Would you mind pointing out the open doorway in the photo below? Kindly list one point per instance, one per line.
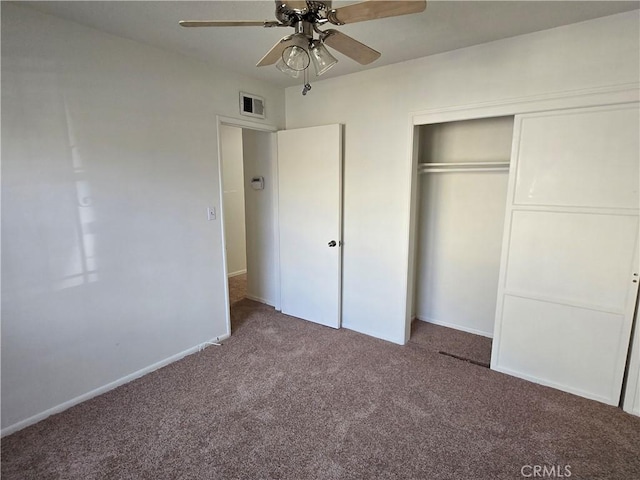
(232, 160)
(248, 208)
(308, 228)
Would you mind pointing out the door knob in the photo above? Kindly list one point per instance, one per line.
(332, 243)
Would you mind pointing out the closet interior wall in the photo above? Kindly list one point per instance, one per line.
(463, 174)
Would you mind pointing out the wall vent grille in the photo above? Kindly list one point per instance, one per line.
(251, 105)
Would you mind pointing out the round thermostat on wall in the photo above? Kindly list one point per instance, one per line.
(257, 183)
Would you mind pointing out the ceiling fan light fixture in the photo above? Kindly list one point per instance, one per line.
(296, 55)
(321, 58)
(293, 54)
(284, 68)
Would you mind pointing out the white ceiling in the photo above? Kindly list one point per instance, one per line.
(444, 26)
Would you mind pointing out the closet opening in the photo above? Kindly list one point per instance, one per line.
(461, 189)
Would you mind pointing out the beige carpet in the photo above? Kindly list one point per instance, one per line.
(288, 399)
(237, 288)
(457, 344)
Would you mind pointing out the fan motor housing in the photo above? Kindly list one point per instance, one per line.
(292, 11)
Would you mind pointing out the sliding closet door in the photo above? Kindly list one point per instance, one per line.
(567, 288)
(631, 402)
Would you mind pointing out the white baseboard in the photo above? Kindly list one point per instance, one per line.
(105, 388)
(259, 299)
(455, 326)
(235, 274)
(373, 333)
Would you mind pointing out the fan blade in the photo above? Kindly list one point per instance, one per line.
(275, 53)
(350, 47)
(215, 23)
(372, 10)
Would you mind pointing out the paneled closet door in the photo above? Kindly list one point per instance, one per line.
(567, 286)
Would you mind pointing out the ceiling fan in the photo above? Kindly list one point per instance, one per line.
(294, 53)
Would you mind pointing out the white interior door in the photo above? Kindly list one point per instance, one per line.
(567, 293)
(310, 214)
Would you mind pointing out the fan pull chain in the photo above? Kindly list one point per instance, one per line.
(307, 85)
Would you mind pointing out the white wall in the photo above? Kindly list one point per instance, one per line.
(109, 163)
(259, 156)
(375, 106)
(482, 140)
(233, 186)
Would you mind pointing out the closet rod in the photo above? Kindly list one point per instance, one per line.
(466, 169)
(463, 167)
(465, 164)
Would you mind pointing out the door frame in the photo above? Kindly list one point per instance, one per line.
(260, 127)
